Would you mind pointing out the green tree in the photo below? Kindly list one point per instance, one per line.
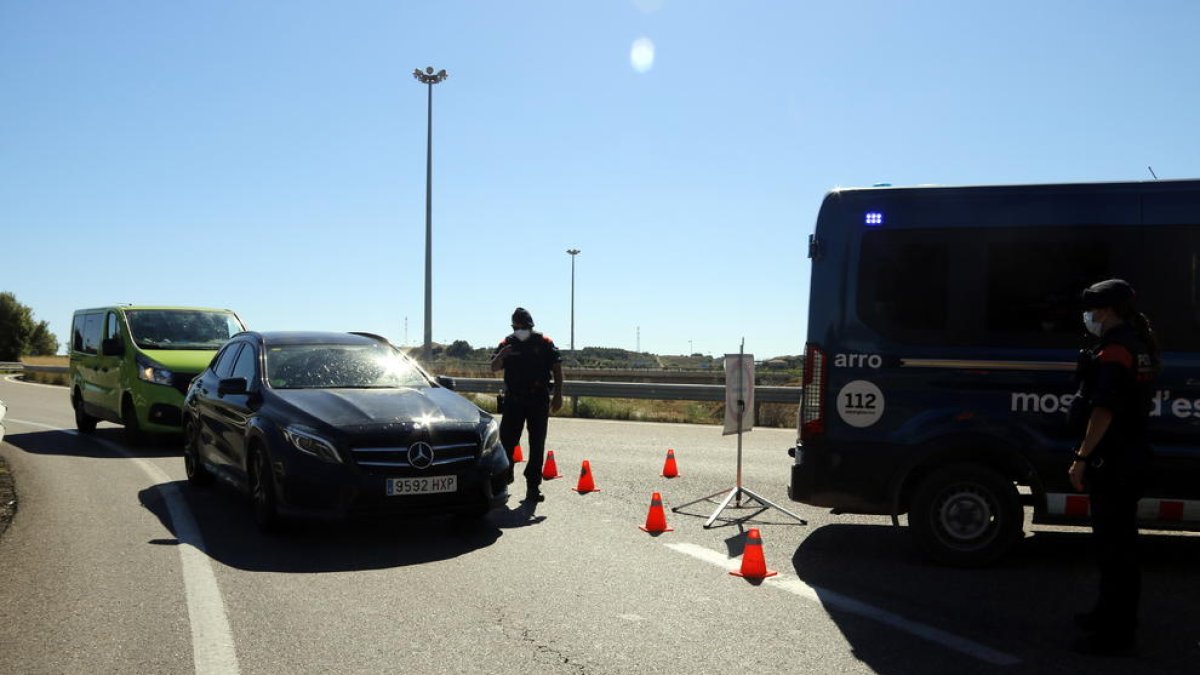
(41, 341)
(19, 335)
(459, 349)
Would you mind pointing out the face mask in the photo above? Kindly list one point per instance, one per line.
(522, 334)
(1093, 326)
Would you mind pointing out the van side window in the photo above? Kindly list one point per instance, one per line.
(1034, 280)
(112, 328)
(77, 332)
(223, 365)
(93, 325)
(903, 282)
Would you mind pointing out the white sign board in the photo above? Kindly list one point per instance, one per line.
(739, 387)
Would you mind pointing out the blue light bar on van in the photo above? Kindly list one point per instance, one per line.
(874, 218)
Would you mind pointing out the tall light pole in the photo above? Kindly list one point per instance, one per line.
(429, 78)
(572, 252)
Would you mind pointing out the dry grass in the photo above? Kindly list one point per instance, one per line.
(60, 379)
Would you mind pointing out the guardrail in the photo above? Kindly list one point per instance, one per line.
(645, 390)
(661, 391)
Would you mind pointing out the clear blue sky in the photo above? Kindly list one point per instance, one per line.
(270, 156)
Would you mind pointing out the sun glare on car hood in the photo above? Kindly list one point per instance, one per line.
(359, 407)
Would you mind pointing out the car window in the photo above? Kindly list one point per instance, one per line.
(92, 326)
(112, 327)
(325, 366)
(244, 366)
(223, 365)
(181, 328)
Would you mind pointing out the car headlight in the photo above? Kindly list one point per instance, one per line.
(152, 372)
(311, 444)
(491, 438)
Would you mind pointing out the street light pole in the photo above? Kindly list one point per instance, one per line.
(429, 78)
(573, 252)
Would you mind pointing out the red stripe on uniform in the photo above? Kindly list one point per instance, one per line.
(1116, 354)
(1170, 510)
(1076, 506)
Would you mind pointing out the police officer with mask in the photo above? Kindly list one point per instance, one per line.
(530, 361)
(1111, 463)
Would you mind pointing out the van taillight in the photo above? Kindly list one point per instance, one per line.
(812, 405)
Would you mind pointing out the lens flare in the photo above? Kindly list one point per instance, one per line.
(641, 55)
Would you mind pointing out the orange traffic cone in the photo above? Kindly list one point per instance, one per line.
(669, 468)
(656, 520)
(753, 564)
(550, 467)
(586, 484)
(517, 456)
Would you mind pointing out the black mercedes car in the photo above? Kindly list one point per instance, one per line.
(338, 425)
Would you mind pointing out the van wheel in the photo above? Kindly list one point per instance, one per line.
(262, 492)
(965, 515)
(197, 474)
(84, 422)
(134, 436)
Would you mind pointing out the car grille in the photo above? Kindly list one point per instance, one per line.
(387, 457)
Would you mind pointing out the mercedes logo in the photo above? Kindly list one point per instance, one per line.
(420, 455)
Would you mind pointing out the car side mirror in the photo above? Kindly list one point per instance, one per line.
(233, 386)
(447, 382)
(112, 347)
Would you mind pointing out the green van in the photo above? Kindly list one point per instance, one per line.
(132, 365)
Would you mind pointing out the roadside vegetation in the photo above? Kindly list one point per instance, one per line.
(459, 359)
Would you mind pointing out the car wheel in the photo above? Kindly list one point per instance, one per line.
(197, 474)
(84, 422)
(134, 436)
(262, 492)
(965, 515)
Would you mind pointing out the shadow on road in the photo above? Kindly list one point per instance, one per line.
(304, 546)
(1023, 606)
(77, 445)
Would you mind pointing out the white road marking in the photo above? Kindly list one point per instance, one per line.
(213, 650)
(842, 603)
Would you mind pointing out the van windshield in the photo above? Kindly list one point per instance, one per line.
(181, 328)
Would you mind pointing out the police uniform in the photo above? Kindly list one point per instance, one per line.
(1116, 375)
(527, 390)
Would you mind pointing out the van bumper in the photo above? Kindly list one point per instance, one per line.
(853, 480)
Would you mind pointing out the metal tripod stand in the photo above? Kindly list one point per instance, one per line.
(738, 491)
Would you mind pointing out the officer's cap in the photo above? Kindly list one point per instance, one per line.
(522, 317)
(1108, 293)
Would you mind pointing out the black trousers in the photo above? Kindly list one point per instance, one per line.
(519, 413)
(1114, 495)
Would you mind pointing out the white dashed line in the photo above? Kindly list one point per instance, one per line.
(842, 603)
(212, 641)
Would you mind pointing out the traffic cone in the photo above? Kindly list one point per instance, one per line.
(656, 520)
(669, 468)
(550, 467)
(753, 564)
(517, 456)
(586, 484)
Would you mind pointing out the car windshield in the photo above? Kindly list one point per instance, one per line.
(325, 366)
(181, 328)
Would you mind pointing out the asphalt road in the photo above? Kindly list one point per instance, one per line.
(114, 564)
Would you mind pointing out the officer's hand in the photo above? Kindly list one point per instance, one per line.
(1076, 474)
(556, 404)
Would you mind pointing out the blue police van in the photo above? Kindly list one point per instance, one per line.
(943, 332)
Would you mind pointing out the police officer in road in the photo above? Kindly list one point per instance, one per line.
(532, 375)
(1111, 463)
